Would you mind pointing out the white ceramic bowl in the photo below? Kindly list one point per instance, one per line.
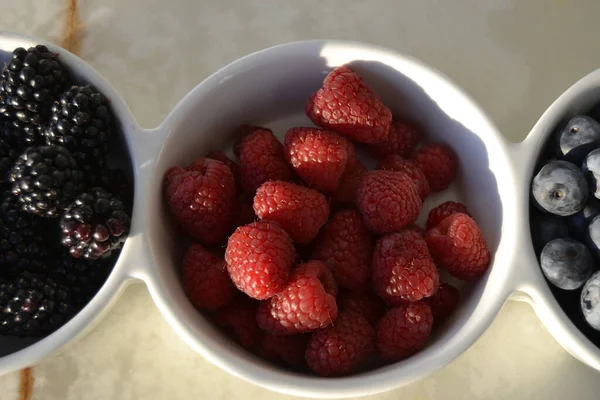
(270, 88)
(16, 353)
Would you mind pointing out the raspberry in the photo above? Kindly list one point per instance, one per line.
(443, 302)
(458, 245)
(242, 132)
(388, 201)
(402, 140)
(444, 210)
(287, 349)
(307, 302)
(299, 210)
(403, 330)
(233, 166)
(205, 279)
(341, 348)
(346, 191)
(410, 168)
(439, 164)
(201, 197)
(262, 160)
(346, 248)
(239, 319)
(370, 307)
(403, 270)
(259, 258)
(346, 104)
(317, 156)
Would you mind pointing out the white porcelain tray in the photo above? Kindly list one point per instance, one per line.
(270, 88)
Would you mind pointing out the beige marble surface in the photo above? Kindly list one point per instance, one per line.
(513, 56)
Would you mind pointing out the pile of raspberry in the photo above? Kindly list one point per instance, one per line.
(324, 267)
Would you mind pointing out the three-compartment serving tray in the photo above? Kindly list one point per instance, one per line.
(269, 88)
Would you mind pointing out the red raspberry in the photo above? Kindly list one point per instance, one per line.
(202, 199)
(205, 279)
(369, 306)
(262, 160)
(307, 302)
(259, 258)
(299, 210)
(341, 348)
(287, 349)
(317, 156)
(403, 270)
(439, 164)
(402, 140)
(346, 248)
(388, 201)
(242, 132)
(346, 191)
(346, 104)
(410, 168)
(458, 245)
(233, 166)
(239, 319)
(404, 330)
(444, 210)
(443, 302)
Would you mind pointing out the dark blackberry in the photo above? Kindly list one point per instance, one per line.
(31, 82)
(33, 306)
(46, 179)
(83, 277)
(25, 239)
(8, 156)
(94, 225)
(81, 123)
(16, 132)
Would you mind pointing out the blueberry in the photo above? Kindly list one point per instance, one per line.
(578, 223)
(545, 228)
(591, 171)
(580, 136)
(560, 188)
(590, 301)
(566, 263)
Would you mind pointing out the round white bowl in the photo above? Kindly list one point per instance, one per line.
(16, 353)
(270, 88)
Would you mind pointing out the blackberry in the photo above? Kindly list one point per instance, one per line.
(33, 306)
(83, 277)
(8, 156)
(94, 225)
(17, 133)
(46, 179)
(81, 122)
(24, 245)
(31, 81)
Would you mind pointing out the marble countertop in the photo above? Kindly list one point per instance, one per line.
(513, 56)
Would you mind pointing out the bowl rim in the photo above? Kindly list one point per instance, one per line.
(492, 298)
